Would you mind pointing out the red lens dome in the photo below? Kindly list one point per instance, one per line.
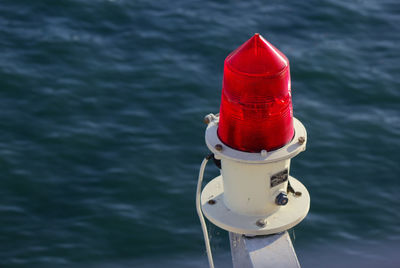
(256, 106)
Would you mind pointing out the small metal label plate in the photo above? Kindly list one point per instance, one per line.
(279, 178)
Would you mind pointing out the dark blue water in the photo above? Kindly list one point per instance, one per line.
(101, 133)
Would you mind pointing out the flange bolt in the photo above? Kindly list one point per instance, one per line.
(218, 147)
(261, 223)
(281, 199)
(301, 140)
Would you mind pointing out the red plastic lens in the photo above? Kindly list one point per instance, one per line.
(256, 106)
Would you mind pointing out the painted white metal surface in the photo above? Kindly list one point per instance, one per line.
(247, 187)
(284, 218)
(245, 194)
(263, 251)
(290, 150)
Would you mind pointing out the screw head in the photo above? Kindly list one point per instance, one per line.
(264, 153)
(218, 147)
(301, 140)
(261, 223)
(211, 202)
(297, 194)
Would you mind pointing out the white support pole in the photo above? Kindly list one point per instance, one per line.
(263, 251)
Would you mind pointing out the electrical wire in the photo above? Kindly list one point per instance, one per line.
(200, 213)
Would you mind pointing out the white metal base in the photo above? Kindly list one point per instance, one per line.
(214, 208)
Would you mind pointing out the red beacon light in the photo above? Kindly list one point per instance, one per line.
(255, 137)
(256, 105)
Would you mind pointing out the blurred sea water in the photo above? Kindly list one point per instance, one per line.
(101, 132)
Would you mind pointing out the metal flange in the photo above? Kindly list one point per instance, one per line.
(214, 208)
(220, 150)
